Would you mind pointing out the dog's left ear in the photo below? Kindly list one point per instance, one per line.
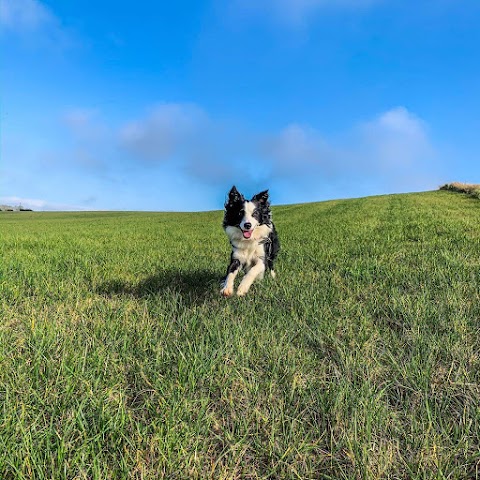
(261, 197)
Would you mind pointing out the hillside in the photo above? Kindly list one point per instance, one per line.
(119, 358)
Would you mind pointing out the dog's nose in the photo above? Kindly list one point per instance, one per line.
(247, 226)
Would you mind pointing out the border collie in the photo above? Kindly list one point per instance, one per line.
(254, 240)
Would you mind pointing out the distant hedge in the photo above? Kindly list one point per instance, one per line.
(8, 208)
(468, 188)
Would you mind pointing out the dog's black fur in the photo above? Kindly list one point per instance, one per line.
(254, 239)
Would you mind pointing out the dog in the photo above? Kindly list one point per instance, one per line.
(254, 240)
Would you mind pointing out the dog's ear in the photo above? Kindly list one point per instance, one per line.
(261, 197)
(234, 196)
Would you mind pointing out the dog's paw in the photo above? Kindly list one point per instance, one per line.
(242, 291)
(226, 292)
(272, 273)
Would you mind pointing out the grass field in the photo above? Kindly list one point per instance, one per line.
(119, 359)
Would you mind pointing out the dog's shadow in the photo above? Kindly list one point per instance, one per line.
(193, 287)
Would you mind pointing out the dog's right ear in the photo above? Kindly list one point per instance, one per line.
(234, 196)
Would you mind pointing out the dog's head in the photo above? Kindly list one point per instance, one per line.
(246, 215)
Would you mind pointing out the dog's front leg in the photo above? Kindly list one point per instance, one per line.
(232, 271)
(255, 272)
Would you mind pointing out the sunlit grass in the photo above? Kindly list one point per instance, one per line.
(120, 359)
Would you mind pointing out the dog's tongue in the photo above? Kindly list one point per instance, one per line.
(247, 234)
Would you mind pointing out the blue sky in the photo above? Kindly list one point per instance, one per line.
(155, 105)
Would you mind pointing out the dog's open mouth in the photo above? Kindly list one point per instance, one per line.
(247, 233)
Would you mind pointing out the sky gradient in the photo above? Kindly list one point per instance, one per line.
(165, 105)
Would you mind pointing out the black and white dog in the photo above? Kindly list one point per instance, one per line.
(254, 240)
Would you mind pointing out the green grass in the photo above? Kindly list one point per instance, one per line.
(119, 359)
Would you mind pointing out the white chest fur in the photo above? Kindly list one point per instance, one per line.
(248, 251)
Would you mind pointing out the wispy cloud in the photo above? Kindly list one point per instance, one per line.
(172, 143)
(396, 139)
(297, 149)
(391, 152)
(92, 139)
(25, 15)
(296, 13)
(165, 131)
(34, 22)
(85, 123)
(38, 205)
(397, 148)
(184, 135)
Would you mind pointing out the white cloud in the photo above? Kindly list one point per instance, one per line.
(164, 131)
(397, 139)
(297, 149)
(184, 135)
(391, 152)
